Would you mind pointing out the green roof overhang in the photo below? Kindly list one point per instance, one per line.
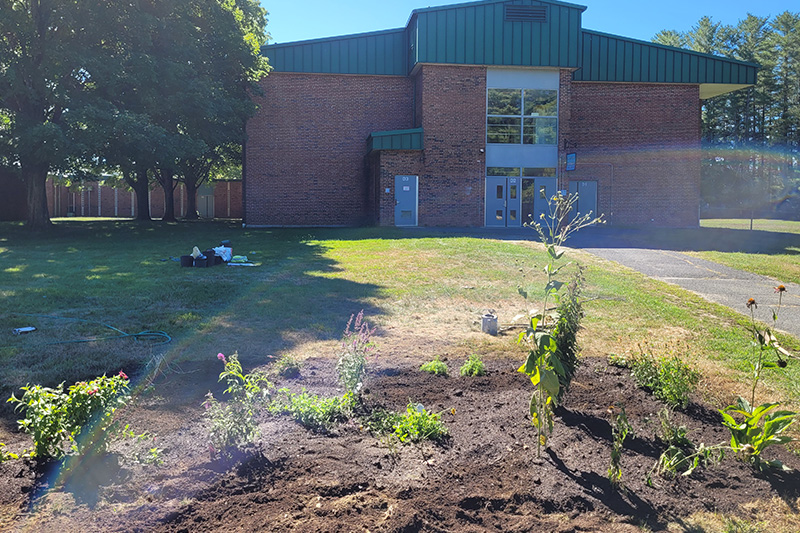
(396, 140)
(611, 58)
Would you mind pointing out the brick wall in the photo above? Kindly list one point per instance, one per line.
(14, 198)
(306, 147)
(385, 166)
(453, 109)
(641, 143)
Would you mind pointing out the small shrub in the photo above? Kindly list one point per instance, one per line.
(570, 313)
(669, 378)
(80, 417)
(437, 366)
(620, 430)
(287, 367)
(356, 346)
(417, 424)
(381, 421)
(312, 411)
(671, 433)
(233, 424)
(473, 367)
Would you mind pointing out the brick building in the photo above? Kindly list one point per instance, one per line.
(473, 115)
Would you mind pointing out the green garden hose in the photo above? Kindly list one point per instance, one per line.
(147, 335)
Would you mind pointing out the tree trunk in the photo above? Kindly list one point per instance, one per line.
(168, 184)
(139, 182)
(191, 197)
(38, 214)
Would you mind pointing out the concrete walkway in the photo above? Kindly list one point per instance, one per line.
(714, 282)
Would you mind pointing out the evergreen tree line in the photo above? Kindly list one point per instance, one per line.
(751, 137)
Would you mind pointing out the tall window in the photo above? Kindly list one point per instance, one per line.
(522, 116)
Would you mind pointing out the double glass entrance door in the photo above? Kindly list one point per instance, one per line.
(513, 201)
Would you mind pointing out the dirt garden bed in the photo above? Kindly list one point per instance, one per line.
(484, 477)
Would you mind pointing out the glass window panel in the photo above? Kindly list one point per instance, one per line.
(499, 192)
(503, 130)
(539, 131)
(528, 197)
(499, 214)
(541, 103)
(539, 172)
(502, 171)
(512, 192)
(505, 102)
(512, 215)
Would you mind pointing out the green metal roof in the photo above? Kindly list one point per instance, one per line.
(396, 140)
(378, 53)
(618, 59)
(490, 32)
(478, 33)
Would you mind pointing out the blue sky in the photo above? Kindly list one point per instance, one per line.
(295, 20)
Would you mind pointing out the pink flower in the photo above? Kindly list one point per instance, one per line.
(123, 375)
(92, 391)
(221, 357)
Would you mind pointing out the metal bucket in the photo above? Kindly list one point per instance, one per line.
(489, 324)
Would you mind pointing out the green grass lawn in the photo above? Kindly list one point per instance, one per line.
(778, 259)
(413, 284)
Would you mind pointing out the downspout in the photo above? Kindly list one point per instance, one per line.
(244, 182)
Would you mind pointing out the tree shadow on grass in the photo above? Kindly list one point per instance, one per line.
(120, 273)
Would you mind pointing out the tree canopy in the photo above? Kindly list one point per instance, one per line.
(136, 86)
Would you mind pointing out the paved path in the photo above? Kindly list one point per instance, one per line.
(714, 282)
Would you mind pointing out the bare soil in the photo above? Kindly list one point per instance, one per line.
(485, 477)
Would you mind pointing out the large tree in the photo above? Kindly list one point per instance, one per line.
(133, 85)
(44, 45)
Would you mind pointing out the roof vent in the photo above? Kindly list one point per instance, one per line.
(518, 13)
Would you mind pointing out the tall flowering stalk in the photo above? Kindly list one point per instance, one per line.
(357, 344)
(765, 341)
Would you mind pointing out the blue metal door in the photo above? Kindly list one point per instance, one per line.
(587, 197)
(406, 200)
(503, 201)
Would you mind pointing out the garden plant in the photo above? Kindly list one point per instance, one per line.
(473, 367)
(436, 366)
(233, 425)
(548, 372)
(418, 424)
(357, 344)
(761, 426)
(73, 421)
(621, 429)
(668, 378)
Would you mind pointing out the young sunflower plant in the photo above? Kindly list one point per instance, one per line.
(544, 364)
